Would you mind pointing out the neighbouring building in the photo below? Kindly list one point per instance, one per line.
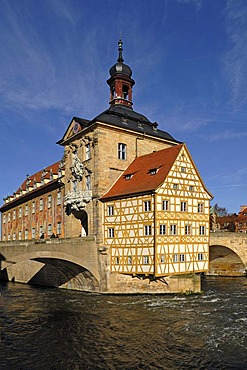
(125, 182)
(233, 222)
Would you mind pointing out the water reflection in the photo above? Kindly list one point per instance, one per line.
(59, 329)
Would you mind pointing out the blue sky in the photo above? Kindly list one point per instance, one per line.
(189, 61)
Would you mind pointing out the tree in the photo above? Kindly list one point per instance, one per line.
(220, 211)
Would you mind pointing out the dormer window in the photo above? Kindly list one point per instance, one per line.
(128, 176)
(51, 176)
(153, 171)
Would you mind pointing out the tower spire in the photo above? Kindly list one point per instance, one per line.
(120, 49)
(120, 81)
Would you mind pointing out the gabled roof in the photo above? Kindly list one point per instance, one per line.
(140, 175)
(27, 188)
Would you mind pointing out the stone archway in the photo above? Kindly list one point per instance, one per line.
(224, 261)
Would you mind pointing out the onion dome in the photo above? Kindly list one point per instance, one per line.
(120, 67)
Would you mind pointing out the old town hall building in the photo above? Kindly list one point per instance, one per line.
(123, 181)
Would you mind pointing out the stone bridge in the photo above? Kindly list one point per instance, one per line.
(66, 263)
(228, 254)
(78, 263)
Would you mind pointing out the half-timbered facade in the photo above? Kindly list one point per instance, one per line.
(156, 216)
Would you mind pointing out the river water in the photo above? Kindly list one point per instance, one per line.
(59, 329)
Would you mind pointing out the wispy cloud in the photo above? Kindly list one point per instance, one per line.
(236, 56)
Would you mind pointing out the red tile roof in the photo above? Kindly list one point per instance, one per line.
(142, 180)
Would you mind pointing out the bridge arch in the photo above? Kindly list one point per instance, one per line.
(225, 261)
(53, 269)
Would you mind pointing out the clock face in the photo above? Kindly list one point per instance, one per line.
(76, 127)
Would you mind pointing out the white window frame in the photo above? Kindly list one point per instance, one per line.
(20, 212)
(200, 256)
(145, 260)
(173, 229)
(41, 204)
(165, 205)
(59, 228)
(162, 229)
(59, 197)
(14, 214)
(182, 257)
(87, 151)
(33, 207)
(175, 257)
(201, 230)
(33, 232)
(129, 260)
(187, 230)
(111, 232)
(26, 209)
(110, 210)
(49, 229)
(49, 200)
(88, 182)
(122, 151)
(147, 205)
(200, 208)
(26, 234)
(183, 206)
(20, 235)
(147, 230)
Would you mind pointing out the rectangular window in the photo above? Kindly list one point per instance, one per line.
(200, 208)
(20, 235)
(173, 229)
(165, 205)
(122, 151)
(147, 206)
(202, 230)
(20, 212)
(110, 232)
(49, 201)
(183, 169)
(191, 188)
(147, 230)
(175, 186)
(26, 209)
(129, 260)
(162, 229)
(13, 236)
(9, 216)
(145, 260)
(8, 236)
(187, 230)
(33, 233)
(162, 259)
(4, 219)
(40, 231)
(200, 256)
(175, 257)
(33, 207)
(88, 182)
(26, 234)
(110, 211)
(183, 207)
(117, 260)
(59, 196)
(59, 228)
(88, 151)
(14, 214)
(182, 257)
(49, 231)
(41, 204)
